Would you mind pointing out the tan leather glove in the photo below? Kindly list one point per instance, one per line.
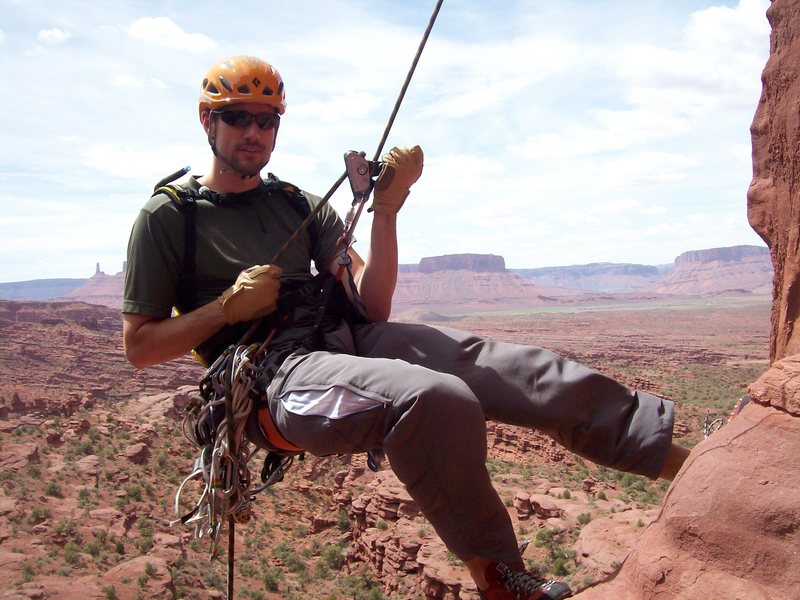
(254, 295)
(401, 168)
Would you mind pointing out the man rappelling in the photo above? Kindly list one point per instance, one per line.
(336, 377)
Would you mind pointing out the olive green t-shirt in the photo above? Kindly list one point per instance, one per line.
(231, 235)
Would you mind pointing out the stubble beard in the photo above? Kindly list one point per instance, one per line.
(233, 165)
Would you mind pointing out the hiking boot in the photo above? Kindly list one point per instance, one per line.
(742, 402)
(505, 584)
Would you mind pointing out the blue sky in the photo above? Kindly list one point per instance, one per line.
(555, 133)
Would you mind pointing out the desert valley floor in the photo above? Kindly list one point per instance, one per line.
(91, 454)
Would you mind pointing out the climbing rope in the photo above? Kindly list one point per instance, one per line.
(313, 215)
(215, 423)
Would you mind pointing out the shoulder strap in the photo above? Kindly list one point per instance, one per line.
(186, 201)
(298, 201)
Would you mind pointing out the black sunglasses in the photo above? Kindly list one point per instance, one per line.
(242, 119)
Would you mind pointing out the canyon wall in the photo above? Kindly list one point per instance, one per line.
(729, 526)
(773, 200)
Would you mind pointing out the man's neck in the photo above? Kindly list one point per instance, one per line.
(221, 179)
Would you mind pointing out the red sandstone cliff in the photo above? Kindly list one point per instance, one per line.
(719, 270)
(102, 289)
(730, 524)
(773, 200)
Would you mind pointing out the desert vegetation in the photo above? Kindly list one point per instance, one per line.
(87, 495)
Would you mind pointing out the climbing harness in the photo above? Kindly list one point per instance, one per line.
(218, 419)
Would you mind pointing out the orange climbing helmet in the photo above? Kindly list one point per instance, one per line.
(242, 79)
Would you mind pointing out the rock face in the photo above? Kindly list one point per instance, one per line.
(79, 334)
(745, 269)
(730, 524)
(773, 200)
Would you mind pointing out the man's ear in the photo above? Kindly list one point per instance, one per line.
(275, 137)
(205, 119)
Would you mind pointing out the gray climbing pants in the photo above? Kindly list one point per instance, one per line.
(423, 394)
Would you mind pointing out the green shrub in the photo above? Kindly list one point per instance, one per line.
(134, 492)
(93, 547)
(110, 591)
(270, 579)
(71, 553)
(53, 489)
(28, 571)
(560, 567)
(38, 515)
(332, 557)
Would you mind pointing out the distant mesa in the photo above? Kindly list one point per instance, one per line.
(481, 263)
(719, 270)
(440, 285)
(606, 278)
(100, 288)
(39, 289)
(730, 254)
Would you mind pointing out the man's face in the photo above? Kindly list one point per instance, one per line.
(242, 136)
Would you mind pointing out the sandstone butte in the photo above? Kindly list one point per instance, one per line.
(728, 527)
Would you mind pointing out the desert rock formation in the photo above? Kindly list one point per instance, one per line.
(730, 524)
(102, 289)
(773, 200)
(91, 452)
(719, 270)
(459, 283)
(594, 277)
(467, 262)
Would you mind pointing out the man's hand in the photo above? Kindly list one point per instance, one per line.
(254, 295)
(401, 168)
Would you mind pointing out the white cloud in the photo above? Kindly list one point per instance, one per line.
(148, 165)
(607, 131)
(712, 67)
(127, 80)
(350, 105)
(486, 76)
(561, 132)
(53, 36)
(163, 31)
